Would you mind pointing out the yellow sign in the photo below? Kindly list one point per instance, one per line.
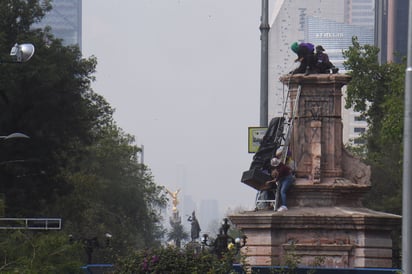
(255, 138)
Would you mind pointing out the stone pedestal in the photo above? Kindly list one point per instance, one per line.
(343, 237)
(326, 219)
(318, 122)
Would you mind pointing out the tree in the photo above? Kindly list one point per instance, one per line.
(377, 92)
(46, 253)
(78, 164)
(112, 189)
(49, 99)
(177, 232)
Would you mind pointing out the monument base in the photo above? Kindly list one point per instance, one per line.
(329, 192)
(337, 236)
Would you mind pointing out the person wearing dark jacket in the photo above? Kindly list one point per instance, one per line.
(323, 64)
(283, 175)
(306, 57)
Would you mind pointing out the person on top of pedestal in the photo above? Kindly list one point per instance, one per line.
(323, 64)
(306, 57)
(281, 174)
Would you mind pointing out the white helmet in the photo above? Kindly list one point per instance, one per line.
(274, 162)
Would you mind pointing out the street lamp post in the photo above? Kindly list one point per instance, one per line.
(224, 242)
(90, 244)
(20, 53)
(4, 138)
(23, 52)
(264, 63)
(407, 159)
(14, 135)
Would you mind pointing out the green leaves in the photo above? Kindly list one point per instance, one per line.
(177, 233)
(377, 92)
(78, 164)
(363, 66)
(45, 253)
(175, 260)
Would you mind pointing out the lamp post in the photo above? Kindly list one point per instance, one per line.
(407, 159)
(14, 135)
(20, 53)
(90, 244)
(264, 63)
(224, 242)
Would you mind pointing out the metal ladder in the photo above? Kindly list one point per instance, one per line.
(289, 118)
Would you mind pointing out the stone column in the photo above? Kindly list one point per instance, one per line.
(320, 100)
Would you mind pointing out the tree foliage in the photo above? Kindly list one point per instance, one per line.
(177, 232)
(176, 260)
(377, 92)
(78, 164)
(28, 252)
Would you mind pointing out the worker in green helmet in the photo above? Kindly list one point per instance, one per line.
(306, 57)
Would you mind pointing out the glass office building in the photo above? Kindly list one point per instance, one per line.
(391, 33)
(331, 24)
(65, 19)
(336, 37)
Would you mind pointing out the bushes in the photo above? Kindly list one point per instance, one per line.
(192, 259)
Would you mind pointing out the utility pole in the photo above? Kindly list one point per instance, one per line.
(407, 157)
(264, 63)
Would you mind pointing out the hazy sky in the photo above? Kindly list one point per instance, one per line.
(184, 79)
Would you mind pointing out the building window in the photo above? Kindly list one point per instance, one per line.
(359, 141)
(359, 118)
(359, 129)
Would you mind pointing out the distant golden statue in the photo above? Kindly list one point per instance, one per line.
(175, 201)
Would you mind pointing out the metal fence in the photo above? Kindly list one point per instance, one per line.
(31, 223)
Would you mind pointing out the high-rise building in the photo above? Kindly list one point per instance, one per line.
(65, 19)
(335, 36)
(209, 213)
(331, 24)
(391, 33)
(359, 12)
(289, 24)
